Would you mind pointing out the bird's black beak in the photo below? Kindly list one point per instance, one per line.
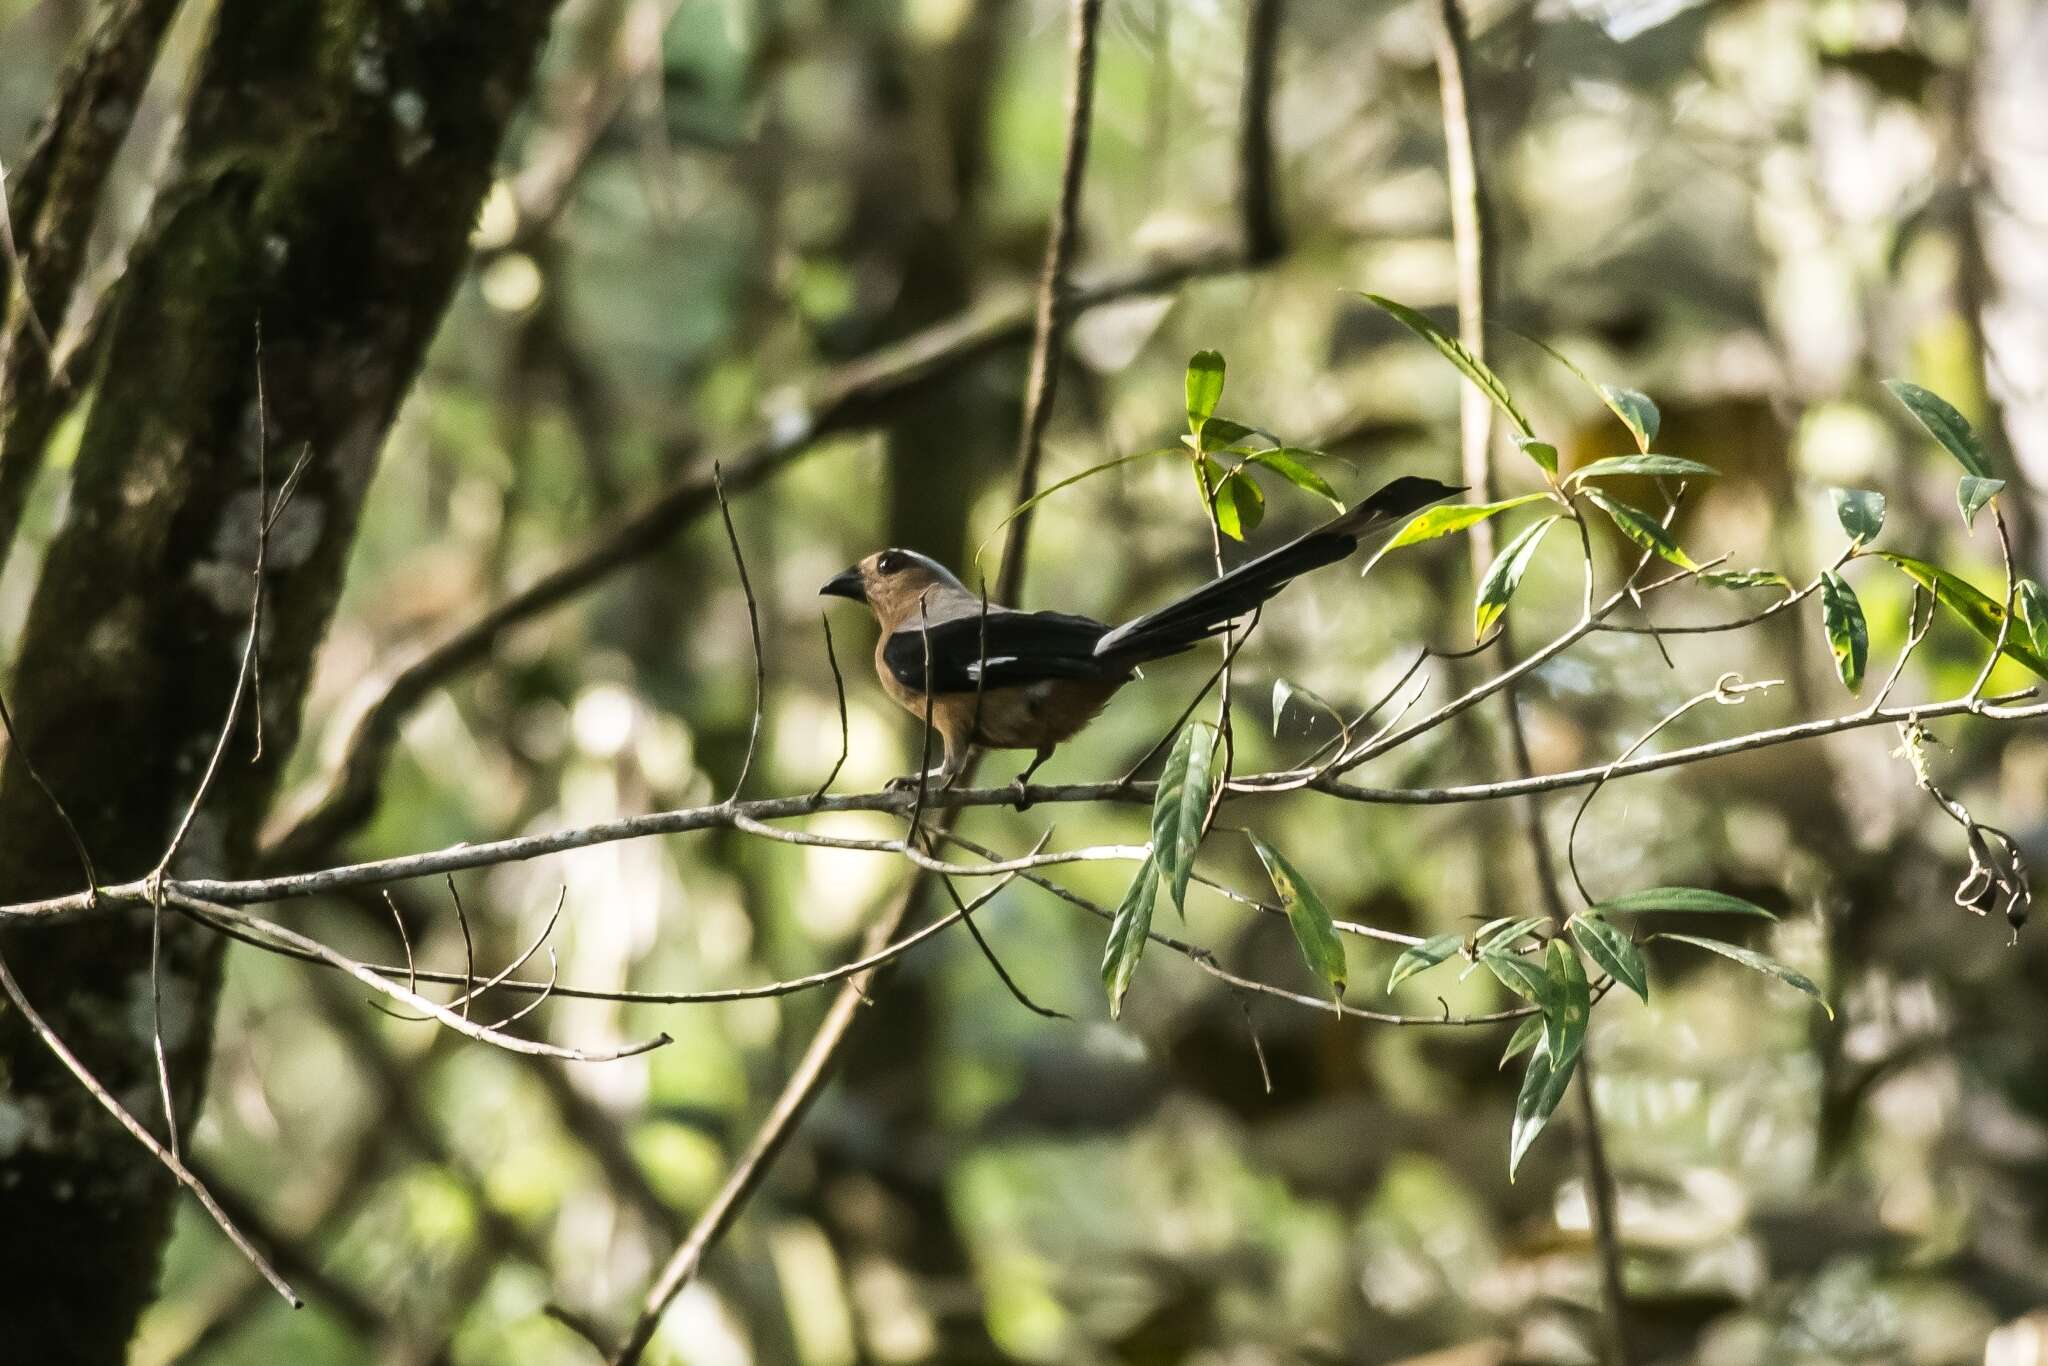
(845, 584)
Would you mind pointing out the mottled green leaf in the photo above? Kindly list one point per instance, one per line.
(1519, 975)
(1860, 511)
(2033, 615)
(1749, 958)
(1570, 1002)
(1841, 616)
(1127, 935)
(1683, 900)
(1525, 1036)
(1504, 934)
(1444, 521)
(1543, 1086)
(1979, 612)
(1972, 494)
(1181, 804)
(1321, 948)
(1504, 575)
(1205, 386)
(1290, 463)
(1636, 412)
(1613, 952)
(1660, 466)
(1944, 424)
(1542, 452)
(1455, 352)
(1416, 957)
(1640, 527)
(1746, 578)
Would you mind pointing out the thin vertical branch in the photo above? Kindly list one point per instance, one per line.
(815, 1067)
(1469, 222)
(1055, 305)
(1258, 189)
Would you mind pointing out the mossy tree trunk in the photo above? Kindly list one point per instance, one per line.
(328, 174)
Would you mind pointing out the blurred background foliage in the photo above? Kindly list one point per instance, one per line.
(1750, 209)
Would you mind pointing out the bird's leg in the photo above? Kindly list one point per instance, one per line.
(1024, 778)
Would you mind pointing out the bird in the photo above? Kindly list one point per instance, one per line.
(1000, 678)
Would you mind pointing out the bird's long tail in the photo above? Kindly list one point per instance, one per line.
(1205, 612)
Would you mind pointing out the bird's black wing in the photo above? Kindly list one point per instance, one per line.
(1011, 650)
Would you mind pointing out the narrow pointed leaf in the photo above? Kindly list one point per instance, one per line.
(1636, 412)
(1518, 975)
(1542, 452)
(1860, 511)
(1640, 527)
(1504, 575)
(1127, 935)
(1321, 948)
(1682, 900)
(1660, 466)
(1525, 1036)
(1455, 352)
(2033, 613)
(1848, 637)
(1972, 494)
(1755, 961)
(1503, 935)
(1944, 424)
(1613, 952)
(1290, 463)
(1240, 506)
(1220, 433)
(1543, 1086)
(1180, 804)
(1570, 1004)
(1746, 578)
(1205, 386)
(1072, 479)
(1444, 521)
(1427, 954)
(1978, 611)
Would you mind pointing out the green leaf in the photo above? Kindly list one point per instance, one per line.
(1570, 1004)
(1944, 424)
(1455, 352)
(2033, 613)
(1746, 578)
(1972, 494)
(1640, 527)
(1682, 900)
(1289, 462)
(1542, 452)
(1525, 1035)
(1848, 638)
(1050, 489)
(1205, 387)
(1636, 412)
(1218, 433)
(1181, 804)
(1543, 1086)
(1308, 916)
(1502, 935)
(1504, 575)
(1416, 957)
(1661, 466)
(1240, 506)
(1518, 975)
(1749, 958)
(1979, 612)
(1127, 935)
(1443, 521)
(1613, 952)
(1861, 513)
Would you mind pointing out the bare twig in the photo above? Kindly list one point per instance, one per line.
(839, 694)
(35, 774)
(739, 560)
(171, 1162)
(468, 949)
(1258, 190)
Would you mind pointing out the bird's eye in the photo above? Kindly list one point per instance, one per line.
(890, 562)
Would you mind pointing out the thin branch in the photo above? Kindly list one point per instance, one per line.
(739, 560)
(1258, 190)
(839, 694)
(92, 877)
(171, 1162)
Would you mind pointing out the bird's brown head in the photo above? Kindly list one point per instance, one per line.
(893, 583)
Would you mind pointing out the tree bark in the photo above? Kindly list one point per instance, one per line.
(330, 167)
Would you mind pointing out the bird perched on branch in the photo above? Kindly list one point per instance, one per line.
(1004, 679)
